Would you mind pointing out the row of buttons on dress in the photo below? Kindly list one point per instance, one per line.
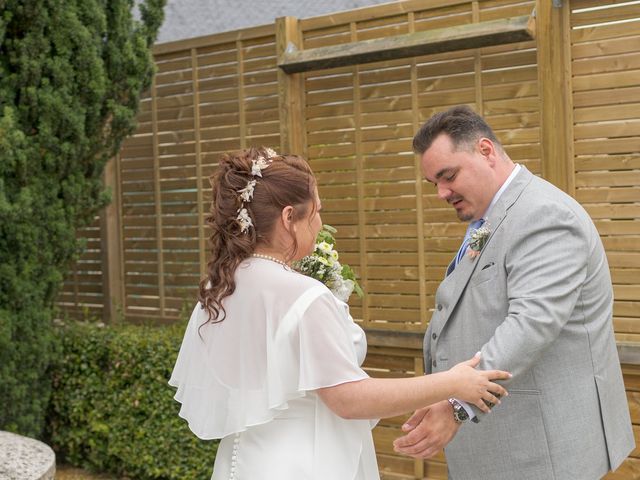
(234, 457)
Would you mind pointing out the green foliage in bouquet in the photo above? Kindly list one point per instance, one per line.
(324, 265)
(71, 76)
(112, 409)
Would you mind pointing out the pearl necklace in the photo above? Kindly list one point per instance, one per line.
(269, 257)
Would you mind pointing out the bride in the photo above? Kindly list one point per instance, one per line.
(270, 361)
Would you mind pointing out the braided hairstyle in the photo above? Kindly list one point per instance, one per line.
(287, 181)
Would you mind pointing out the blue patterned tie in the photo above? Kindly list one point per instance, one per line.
(465, 244)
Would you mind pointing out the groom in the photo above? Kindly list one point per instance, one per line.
(531, 290)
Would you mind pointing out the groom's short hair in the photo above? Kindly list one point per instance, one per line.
(460, 123)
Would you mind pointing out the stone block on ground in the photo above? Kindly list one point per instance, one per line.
(23, 458)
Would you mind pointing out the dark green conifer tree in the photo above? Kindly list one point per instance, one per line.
(71, 75)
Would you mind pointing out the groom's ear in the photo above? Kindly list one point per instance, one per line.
(487, 149)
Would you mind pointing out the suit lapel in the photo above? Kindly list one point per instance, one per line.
(497, 215)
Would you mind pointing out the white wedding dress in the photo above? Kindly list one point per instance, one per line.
(251, 379)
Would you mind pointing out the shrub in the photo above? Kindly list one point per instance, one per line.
(71, 75)
(112, 409)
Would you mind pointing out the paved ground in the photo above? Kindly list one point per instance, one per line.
(65, 472)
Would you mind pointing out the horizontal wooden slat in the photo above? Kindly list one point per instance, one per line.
(586, 16)
(603, 32)
(607, 162)
(380, 11)
(627, 78)
(608, 179)
(219, 38)
(611, 111)
(492, 32)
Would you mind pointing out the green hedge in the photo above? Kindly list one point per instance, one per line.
(112, 409)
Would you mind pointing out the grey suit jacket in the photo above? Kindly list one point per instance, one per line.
(538, 303)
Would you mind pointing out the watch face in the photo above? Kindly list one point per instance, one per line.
(460, 413)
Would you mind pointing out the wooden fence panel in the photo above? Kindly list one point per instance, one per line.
(82, 294)
(606, 62)
(359, 125)
(606, 100)
(210, 98)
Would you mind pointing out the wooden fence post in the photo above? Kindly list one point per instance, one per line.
(290, 90)
(110, 240)
(556, 104)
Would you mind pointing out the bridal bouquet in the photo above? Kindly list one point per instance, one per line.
(323, 265)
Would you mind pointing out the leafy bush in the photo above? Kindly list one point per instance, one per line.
(71, 76)
(112, 409)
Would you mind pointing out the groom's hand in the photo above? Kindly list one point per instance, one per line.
(427, 431)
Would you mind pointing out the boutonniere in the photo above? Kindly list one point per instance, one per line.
(478, 239)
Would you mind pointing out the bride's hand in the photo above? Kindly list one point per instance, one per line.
(477, 386)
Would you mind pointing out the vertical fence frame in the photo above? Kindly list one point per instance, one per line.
(554, 78)
(291, 90)
(111, 238)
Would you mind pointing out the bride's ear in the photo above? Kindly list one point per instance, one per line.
(286, 216)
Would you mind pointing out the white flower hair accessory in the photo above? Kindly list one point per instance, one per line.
(478, 239)
(258, 166)
(244, 220)
(246, 193)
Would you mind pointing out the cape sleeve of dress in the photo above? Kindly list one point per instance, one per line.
(243, 371)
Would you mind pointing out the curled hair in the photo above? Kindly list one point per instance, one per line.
(287, 181)
(460, 123)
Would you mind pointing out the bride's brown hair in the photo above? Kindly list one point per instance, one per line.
(287, 181)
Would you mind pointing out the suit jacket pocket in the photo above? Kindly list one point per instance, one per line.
(523, 391)
(483, 273)
(510, 443)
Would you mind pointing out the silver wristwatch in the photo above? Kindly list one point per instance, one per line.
(459, 413)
